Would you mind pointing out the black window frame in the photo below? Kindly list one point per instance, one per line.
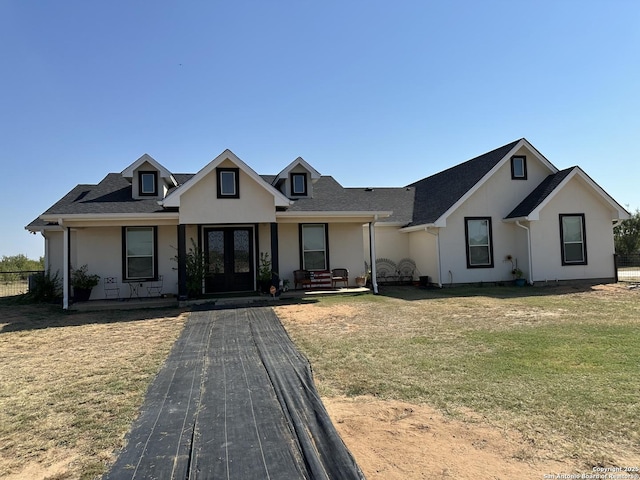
(467, 246)
(236, 172)
(584, 261)
(141, 191)
(524, 167)
(291, 179)
(125, 276)
(326, 245)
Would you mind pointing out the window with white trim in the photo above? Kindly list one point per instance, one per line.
(572, 239)
(298, 184)
(148, 183)
(139, 253)
(478, 242)
(228, 182)
(518, 167)
(314, 246)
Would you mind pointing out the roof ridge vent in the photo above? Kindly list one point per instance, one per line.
(368, 189)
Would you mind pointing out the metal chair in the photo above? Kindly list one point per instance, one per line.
(339, 275)
(302, 278)
(111, 287)
(155, 289)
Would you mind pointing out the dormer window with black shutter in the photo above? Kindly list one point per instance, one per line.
(298, 184)
(148, 183)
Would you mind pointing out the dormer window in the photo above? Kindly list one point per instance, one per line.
(298, 184)
(228, 182)
(148, 183)
(518, 167)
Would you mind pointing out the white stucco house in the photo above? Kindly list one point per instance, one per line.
(457, 226)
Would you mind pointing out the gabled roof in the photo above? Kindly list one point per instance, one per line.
(315, 175)
(173, 198)
(112, 196)
(530, 207)
(440, 194)
(331, 197)
(164, 173)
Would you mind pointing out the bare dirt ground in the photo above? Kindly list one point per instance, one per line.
(394, 440)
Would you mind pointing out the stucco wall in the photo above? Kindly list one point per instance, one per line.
(576, 197)
(101, 249)
(55, 245)
(201, 205)
(345, 249)
(496, 198)
(390, 243)
(423, 251)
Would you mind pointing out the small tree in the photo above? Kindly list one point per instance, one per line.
(196, 267)
(627, 235)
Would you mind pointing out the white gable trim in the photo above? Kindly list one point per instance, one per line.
(173, 199)
(523, 142)
(164, 173)
(620, 212)
(284, 174)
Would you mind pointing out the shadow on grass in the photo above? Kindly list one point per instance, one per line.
(18, 314)
(411, 293)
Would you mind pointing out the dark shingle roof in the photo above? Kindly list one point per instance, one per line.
(439, 192)
(541, 192)
(111, 195)
(330, 196)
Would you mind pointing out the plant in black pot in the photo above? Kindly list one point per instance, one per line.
(82, 283)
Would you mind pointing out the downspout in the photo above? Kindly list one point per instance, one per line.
(46, 253)
(372, 253)
(528, 250)
(437, 235)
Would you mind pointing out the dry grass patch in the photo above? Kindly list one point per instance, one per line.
(557, 366)
(71, 384)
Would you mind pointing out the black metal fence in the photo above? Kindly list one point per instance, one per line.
(17, 283)
(628, 267)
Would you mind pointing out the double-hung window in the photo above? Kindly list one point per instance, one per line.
(478, 242)
(139, 253)
(572, 239)
(314, 252)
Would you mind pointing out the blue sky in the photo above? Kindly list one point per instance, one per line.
(374, 93)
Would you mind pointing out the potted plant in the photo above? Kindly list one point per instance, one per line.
(519, 281)
(264, 273)
(82, 283)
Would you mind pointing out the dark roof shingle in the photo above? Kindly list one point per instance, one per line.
(439, 192)
(538, 195)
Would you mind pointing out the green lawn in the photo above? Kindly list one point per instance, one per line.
(559, 365)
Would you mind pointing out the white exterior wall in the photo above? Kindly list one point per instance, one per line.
(390, 242)
(200, 205)
(423, 250)
(574, 198)
(345, 249)
(100, 248)
(55, 253)
(496, 198)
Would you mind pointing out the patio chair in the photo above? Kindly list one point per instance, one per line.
(111, 287)
(406, 270)
(386, 271)
(339, 275)
(302, 278)
(155, 288)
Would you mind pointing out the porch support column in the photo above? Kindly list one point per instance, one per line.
(66, 245)
(182, 262)
(275, 260)
(372, 252)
